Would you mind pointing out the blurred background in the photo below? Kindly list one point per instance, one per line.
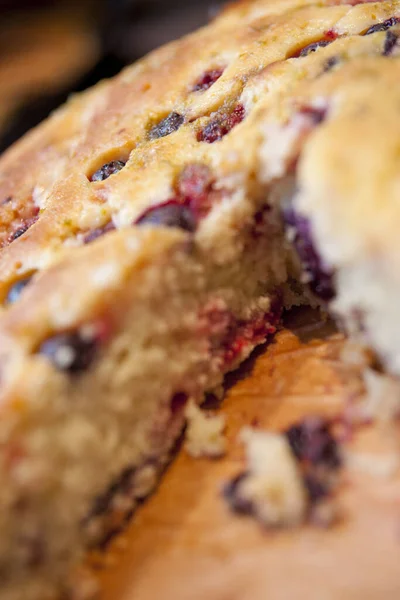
(51, 48)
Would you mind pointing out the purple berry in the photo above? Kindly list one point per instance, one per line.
(231, 493)
(312, 48)
(320, 276)
(96, 233)
(384, 26)
(19, 232)
(167, 126)
(70, 352)
(16, 290)
(312, 441)
(390, 43)
(169, 214)
(317, 490)
(107, 170)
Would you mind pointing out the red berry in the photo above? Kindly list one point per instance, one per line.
(221, 125)
(207, 80)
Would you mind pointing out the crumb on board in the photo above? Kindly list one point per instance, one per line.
(205, 433)
(290, 478)
(271, 489)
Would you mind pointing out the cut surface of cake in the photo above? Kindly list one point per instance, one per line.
(153, 230)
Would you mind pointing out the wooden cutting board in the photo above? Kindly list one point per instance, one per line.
(185, 544)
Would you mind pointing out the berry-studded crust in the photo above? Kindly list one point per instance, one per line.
(144, 254)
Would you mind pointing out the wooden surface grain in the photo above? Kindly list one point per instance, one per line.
(184, 544)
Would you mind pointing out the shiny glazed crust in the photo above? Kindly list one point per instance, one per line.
(146, 216)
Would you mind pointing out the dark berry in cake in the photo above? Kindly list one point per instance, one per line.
(170, 214)
(70, 352)
(167, 126)
(16, 290)
(390, 43)
(221, 125)
(178, 403)
(207, 80)
(316, 114)
(107, 170)
(194, 188)
(122, 484)
(312, 48)
(20, 231)
(330, 63)
(235, 499)
(96, 233)
(384, 26)
(312, 441)
(26, 224)
(212, 132)
(319, 276)
(317, 490)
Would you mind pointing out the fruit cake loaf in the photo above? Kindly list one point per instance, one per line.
(151, 232)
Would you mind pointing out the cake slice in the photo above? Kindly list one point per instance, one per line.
(150, 236)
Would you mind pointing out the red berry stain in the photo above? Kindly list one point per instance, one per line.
(193, 199)
(315, 114)
(207, 80)
(221, 125)
(169, 125)
(229, 338)
(195, 188)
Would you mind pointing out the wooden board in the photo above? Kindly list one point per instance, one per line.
(184, 544)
